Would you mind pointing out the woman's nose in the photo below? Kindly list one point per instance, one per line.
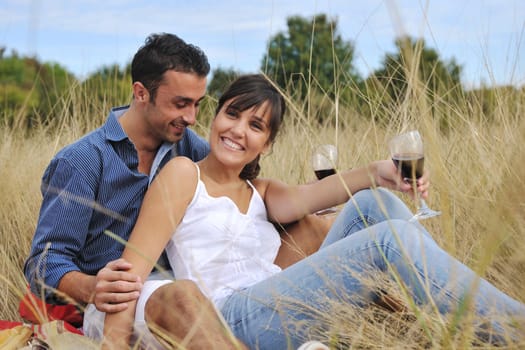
(239, 128)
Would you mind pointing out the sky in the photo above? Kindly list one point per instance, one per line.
(485, 37)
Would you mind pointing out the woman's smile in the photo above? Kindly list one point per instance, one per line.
(229, 143)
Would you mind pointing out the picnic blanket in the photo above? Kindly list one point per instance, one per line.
(35, 310)
(44, 326)
(53, 335)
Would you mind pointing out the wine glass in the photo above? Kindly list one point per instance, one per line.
(324, 162)
(407, 154)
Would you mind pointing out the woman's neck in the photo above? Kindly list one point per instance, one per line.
(218, 172)
(222, 181)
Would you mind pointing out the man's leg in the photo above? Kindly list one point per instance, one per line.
(180, 316)
(302, 238)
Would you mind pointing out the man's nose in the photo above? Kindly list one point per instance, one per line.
(190, 115)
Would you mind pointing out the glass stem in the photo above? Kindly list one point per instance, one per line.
(422, 204)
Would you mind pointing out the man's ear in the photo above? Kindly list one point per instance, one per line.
(140, 93)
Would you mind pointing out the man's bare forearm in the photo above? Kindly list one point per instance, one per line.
(79, 286)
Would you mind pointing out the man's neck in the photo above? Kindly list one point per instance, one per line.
(145, 145)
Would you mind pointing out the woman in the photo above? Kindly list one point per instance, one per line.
(214, 218)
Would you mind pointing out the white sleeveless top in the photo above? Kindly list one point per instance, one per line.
(222, 249)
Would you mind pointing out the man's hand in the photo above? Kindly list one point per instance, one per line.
(115, 287)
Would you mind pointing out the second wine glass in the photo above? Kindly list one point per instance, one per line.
(408, 156)
(324, 160)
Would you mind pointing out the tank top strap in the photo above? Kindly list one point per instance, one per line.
(256, 200)
(198, 171)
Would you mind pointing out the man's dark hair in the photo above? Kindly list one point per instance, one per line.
(162, 52)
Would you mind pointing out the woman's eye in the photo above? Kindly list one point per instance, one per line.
(257, 126)
(231, 113)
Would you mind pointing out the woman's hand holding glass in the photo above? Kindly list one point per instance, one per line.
(386, 175)
(407, 153)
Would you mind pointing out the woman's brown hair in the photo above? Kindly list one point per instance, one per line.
(249, 91)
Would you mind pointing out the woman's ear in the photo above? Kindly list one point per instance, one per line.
(266, 149)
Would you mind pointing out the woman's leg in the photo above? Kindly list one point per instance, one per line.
(278, 312)
(367, 208)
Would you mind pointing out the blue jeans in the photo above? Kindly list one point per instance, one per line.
(364, 240)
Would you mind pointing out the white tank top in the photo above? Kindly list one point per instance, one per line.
(222, 249)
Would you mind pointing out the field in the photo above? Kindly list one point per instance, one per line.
(477, 164)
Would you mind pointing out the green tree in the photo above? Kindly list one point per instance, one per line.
(30, 90)
(493, 103)
(415, 71)
(109, 86)
(54, 83)
(311, 57)
(17, 93)
(221, 78)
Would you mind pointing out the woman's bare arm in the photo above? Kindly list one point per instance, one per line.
(287, 203)
(162, 209)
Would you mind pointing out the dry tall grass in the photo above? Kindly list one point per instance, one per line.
(477, 171)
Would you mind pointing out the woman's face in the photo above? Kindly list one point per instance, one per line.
(238, 137)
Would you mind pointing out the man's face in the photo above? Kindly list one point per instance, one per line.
(175, 106)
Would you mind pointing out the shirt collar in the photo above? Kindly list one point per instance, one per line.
(166, 152)
(114, 131)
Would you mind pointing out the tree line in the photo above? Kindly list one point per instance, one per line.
(310, 60)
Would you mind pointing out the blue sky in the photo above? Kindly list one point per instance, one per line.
(486, 37)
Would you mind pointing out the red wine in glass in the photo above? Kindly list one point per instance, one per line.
(324, 162)
(407, 154)
(410, 165)
(322, 173)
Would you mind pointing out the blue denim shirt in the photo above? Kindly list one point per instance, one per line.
(90, 187)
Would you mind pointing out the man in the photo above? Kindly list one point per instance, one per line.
(96, 185)
(93, 189)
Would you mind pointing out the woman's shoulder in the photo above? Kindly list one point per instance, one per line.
(262, 184)
(180, 167)
(272, 189)
(181, 163)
